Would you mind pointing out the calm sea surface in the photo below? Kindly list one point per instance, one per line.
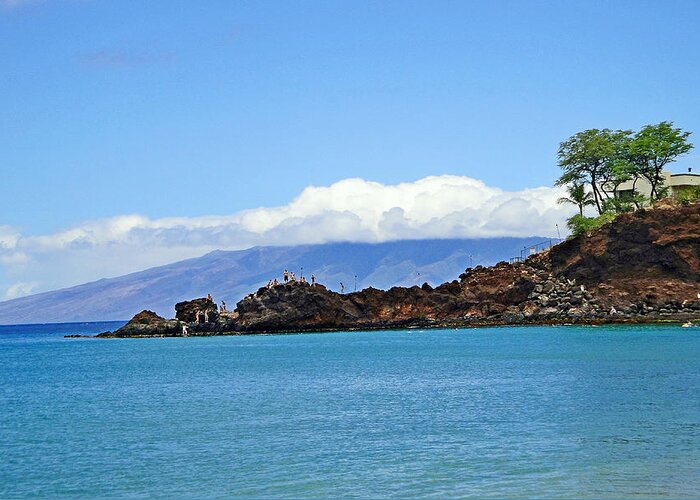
(495, 412)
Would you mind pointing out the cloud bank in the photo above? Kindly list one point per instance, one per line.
(350, 210)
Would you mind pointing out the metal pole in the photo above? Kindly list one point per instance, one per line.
(356, 282)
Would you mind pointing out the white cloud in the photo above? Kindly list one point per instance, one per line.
(19, 290)
(9, 237)
(350, 210)
(14, 258)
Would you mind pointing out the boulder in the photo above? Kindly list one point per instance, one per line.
(187, 311)
(147, 324)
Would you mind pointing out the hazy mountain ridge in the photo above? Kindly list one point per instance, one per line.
(230, 275)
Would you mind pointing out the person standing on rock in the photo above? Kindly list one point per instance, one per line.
(206, 315)
(198, 316)
(184, 331)
(223, 306)
(313, 280)
(342, 288)
(285, 276)
(209, 298)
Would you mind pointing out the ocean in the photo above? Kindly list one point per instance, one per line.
(560, 412)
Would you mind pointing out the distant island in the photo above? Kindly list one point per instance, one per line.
(642, 267)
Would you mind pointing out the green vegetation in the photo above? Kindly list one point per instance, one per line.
(602, 160)
(688, 195)
(588, 158)
(579, 224)
(578, 196)
(652, 148)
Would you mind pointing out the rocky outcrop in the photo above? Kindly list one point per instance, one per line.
(647, 258)
(302, 307)
(149, 324)
(146, 324)
(643, 266)
(187, 311)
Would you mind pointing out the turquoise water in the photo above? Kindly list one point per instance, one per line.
(498, 412)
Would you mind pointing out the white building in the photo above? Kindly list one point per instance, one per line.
(677, 184)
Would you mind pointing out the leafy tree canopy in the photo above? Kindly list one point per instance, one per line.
(589, 157)
(655, 146)
(603, 159)
(578, 196)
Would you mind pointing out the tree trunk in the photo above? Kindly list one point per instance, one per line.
(634, 193)
(596, 195)
(654, 181)
(603, 190)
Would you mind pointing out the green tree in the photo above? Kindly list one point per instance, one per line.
(589, 157)
(654, 147)
(619, 170)
(578, 196)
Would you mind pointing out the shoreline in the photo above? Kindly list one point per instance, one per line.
(679, 321)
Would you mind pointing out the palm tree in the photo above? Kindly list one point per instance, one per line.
(578, 196)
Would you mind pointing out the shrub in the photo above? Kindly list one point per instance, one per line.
(688, 195)
(581, 225)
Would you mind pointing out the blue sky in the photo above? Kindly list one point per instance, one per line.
(194, 108)
(191, 109)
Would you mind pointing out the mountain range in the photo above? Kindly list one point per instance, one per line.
(230, 275)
